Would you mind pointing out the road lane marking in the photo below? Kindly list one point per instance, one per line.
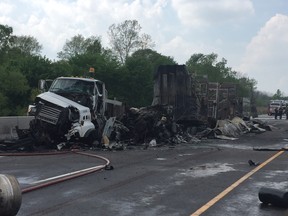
(233, 186)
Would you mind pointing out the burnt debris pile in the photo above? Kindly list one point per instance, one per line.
(154, 125)
(147, 127)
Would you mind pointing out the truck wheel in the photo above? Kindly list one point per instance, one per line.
(35, 129)
(40, 138)
(93, 138)
(273, 196)
(10, 195)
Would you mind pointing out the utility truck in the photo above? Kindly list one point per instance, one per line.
(275, 104)
(72, 109)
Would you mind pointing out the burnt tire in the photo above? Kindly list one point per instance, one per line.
(34, 126)
(274, 197)
(10, 195)
(41, 139)
(93, 138)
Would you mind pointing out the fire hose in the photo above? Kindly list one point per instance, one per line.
(71, 175)
(12, 194)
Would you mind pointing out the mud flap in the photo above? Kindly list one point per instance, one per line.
(109, 127)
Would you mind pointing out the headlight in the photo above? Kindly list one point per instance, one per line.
(73, 114)
(31, 110)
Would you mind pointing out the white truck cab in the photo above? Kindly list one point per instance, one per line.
(72, 108)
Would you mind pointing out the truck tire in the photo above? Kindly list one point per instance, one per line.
(10, 195)
(274, 197)
(35, 129)
(41, 139)
(92, 138)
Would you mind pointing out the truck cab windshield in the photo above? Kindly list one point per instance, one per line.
(72, 86)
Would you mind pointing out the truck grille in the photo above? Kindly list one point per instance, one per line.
(49, 114)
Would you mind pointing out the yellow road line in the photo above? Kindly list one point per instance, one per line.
(233, 186)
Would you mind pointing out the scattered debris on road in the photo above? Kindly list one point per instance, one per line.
(252, 163)
(147, 127)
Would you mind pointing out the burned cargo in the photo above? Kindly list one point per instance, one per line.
(147, 123)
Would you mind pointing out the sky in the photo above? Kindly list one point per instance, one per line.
(252, 35)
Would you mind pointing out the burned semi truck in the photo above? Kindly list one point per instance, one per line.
(72, 109)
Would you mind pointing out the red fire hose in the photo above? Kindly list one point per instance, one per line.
(64, 177)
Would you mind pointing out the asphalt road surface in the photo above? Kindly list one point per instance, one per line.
(211, 177)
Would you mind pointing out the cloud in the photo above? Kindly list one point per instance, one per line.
(266, 55)
(194, 13)
(181, 49)
(6, 8)
(53, 22)
(172, 47)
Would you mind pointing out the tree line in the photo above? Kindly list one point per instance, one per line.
(127, 66)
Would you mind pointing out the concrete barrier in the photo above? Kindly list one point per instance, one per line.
(8, 124)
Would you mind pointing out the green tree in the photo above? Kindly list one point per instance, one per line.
(201, 64)
(79, 45)
(6, 37)
(278, 95)
(14, 91)
(15, 53)
(102, 60)
(262, 99)
(246, 86)
(35, 68)
(6, 40)
(4, 109)
(105, 64)
(218, 71)
(138, 83)
(59, 68)
(28, 45)
(125, 39)
(146, 42)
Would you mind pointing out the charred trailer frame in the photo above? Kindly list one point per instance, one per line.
(221, 100)
(195, 99)
(175, 87)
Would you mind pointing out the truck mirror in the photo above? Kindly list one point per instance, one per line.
(42, 85)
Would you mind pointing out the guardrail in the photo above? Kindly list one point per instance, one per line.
(9, 123)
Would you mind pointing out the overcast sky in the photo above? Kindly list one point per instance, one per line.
(252, 35)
